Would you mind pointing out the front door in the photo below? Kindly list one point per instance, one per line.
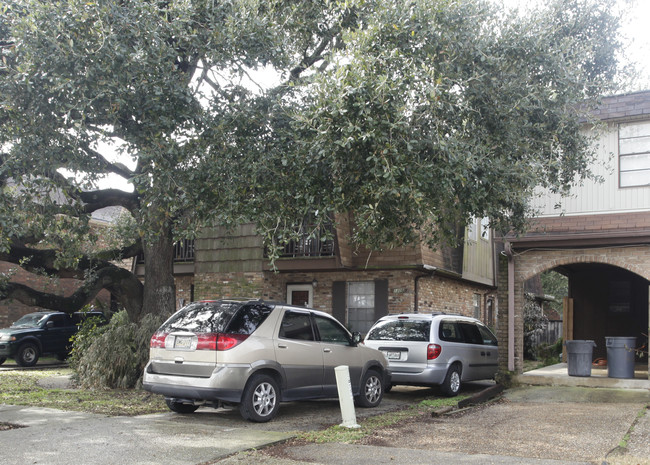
(300, 295)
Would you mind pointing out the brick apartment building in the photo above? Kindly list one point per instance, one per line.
(356, 286)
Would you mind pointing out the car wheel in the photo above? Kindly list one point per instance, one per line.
(372, 390)
(179, 407)
(261, 399)
(2, 360)
(27, 355)
(451, 385)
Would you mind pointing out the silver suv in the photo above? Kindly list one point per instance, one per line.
(257, 354)
(435, 349)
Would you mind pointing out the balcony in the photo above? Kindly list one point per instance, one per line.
(311, 245)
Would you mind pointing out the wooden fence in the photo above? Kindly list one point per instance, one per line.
(548, 335)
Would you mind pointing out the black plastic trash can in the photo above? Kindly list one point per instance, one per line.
(620, 356)
(579, 353)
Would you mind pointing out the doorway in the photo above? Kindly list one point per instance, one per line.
(301, 295)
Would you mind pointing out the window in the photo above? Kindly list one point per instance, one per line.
(488, 338)
(477, 306)
(331, 331)
(485, 229)
(470, 332)
(361, 306)
(401, 330)
(634, 154)
(449, 332)
(296, 325)
(471, 230)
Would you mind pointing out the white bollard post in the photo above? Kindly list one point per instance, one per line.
(344, 387)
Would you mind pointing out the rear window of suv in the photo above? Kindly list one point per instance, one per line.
(401, 330)
(218, 317)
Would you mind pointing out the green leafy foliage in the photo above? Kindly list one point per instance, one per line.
(114, 356)
(549, 354)
(89, 330)
(412, 117)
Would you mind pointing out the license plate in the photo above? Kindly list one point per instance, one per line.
(392, 355)
(182, 342)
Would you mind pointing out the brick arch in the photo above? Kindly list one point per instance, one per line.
(533, 262)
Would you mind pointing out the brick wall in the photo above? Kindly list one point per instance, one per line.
(435, 293)
(184, 293)
(438, 294)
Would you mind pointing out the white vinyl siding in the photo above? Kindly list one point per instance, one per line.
(595, 197)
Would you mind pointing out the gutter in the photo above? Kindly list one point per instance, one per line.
(511, 306)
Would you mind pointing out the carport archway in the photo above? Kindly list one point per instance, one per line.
(605, 301)
(608, 285)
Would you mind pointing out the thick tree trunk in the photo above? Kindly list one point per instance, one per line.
(159, 289)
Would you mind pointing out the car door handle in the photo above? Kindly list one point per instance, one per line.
(281, 346)
(486, 354)
(327, 349)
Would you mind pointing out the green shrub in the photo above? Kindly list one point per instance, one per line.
(89, 330)
(118, 353)
(549, 354)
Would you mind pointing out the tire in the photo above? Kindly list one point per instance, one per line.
(27, 355)
(2, 360)
(451, 385)
(261, 399)
(179, 407)
(372, 390)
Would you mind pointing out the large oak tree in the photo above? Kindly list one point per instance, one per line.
(416, 116)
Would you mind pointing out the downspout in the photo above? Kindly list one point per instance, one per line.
(416, 287)
(511, 306)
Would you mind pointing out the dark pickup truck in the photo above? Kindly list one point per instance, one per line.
(41, 333)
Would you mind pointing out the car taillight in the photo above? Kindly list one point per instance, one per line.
(158, 340)
(228, 341)
(206, 341)
(433, 351)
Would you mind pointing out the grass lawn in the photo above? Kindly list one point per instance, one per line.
(30, 387)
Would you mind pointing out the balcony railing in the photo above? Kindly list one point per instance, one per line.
(183, 252)
(312, 244)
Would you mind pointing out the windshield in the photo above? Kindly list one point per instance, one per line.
(32, 320)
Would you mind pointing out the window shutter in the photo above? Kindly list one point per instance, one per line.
(338, 301)
(381, 298)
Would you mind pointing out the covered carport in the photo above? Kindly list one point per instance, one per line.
(608, 293)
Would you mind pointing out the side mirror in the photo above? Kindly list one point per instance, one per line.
(356, 338)
(49, 324)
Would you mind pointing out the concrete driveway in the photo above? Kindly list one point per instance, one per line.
(531, 426)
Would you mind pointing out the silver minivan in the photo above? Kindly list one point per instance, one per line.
(255, 354)
(435, 349)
